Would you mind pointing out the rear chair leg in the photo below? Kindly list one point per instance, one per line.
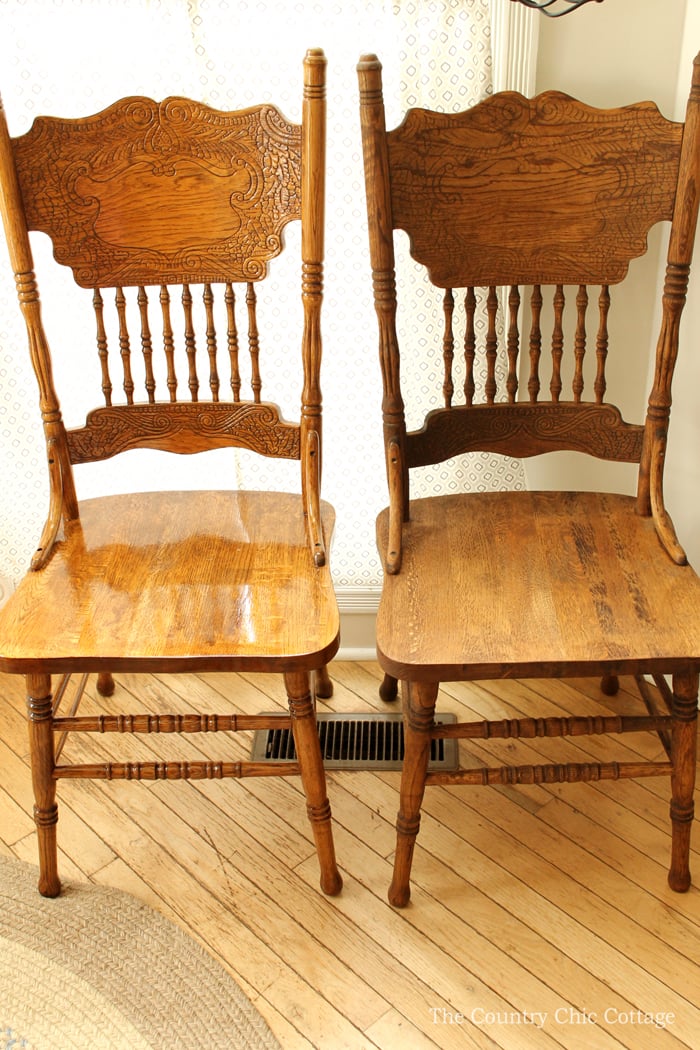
(313, 776)
(419, 716)
(389, 689)
(323, 686)
(683, 756)
(610, 684)
(105, 684)
(41, 748)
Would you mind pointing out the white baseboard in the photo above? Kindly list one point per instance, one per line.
(358, 614)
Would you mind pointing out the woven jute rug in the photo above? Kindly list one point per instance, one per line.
(97, 969)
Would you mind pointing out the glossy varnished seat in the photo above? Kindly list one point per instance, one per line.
(177, 581)
(171, 215)
(525, 214)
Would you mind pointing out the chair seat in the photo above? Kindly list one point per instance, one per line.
(522, 583)
(177, 581)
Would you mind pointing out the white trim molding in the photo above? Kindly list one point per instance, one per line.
(515, 33)
(358, 613)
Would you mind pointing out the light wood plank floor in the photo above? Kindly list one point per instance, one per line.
(540, 916)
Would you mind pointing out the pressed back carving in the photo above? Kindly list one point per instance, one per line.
(124, 194)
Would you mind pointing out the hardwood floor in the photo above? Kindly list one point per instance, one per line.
(540, 916)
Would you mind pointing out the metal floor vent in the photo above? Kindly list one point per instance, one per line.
(356, 741)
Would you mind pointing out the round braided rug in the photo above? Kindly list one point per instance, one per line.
(97, 969)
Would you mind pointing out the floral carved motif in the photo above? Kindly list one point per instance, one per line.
(157, 193)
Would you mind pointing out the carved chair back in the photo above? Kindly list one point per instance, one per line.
(522, 210)
(170, 214)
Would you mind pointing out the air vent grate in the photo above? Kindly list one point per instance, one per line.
(356, 741)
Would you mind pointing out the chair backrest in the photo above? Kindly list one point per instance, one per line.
(522, 204)
(145, 196)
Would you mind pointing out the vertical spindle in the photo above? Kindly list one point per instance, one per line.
(208, 297)
(124, 346)
(469, 345)
(448, 347)
(559, 301)
(168, 342)
(232, 340)
(146, 344)
(490, 388)
(513, 342)
(253, 342)
(580, 341)
(102, 350)
(533, 383)
(190, 345)
(601, 347)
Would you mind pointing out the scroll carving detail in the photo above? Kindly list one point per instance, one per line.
(108, 181)
(525, 430)
(188, 427)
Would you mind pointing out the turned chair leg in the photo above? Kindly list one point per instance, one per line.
(683, 756)
(419, 715)
(313, 776)
(41, 749)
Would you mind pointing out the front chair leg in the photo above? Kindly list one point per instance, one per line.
(313, 776)
(41, 750)
(419, 717)
(683, 756)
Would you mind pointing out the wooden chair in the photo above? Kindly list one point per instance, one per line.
(138, 198)
(537, 195)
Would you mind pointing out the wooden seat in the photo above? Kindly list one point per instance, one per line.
(515, 208)
(138, 199)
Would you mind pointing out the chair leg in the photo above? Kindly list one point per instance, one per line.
(323, 685)
(105, 684)
(313, 776)
(41, 748)
(683, 755)
(610, 684)
(419, 713)
(389, 689)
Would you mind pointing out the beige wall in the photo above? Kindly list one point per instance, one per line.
(610, 54)
(683, 460)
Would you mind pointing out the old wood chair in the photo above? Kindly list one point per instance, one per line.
(141, 198)
(517, 202)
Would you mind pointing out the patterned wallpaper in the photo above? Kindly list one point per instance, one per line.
(72, 57)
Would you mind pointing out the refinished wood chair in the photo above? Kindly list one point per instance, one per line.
(139, 198)
(537, 195)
